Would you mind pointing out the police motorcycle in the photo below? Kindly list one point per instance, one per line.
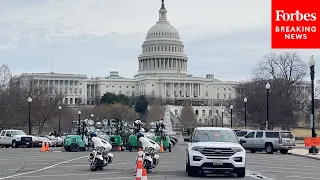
(150, 148)
(100, 156)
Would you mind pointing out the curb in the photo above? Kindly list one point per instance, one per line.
(300, 155)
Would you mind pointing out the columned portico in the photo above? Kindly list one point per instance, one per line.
(173, 89)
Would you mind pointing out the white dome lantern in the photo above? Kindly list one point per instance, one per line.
(163, 51)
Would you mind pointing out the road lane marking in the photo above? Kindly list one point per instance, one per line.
(64, 175)
(48, 167)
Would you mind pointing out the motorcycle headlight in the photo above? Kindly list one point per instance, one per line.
(197, 148)
(237, 149)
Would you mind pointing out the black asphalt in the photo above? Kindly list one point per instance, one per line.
(31, 164)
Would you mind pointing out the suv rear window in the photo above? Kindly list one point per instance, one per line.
(241, 133)
(272, 134)
(288, 135)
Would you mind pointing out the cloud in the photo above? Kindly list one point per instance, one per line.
(95, 36)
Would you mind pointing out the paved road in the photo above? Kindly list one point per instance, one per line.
(31, 164)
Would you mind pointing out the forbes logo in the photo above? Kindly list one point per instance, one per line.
(281, 15)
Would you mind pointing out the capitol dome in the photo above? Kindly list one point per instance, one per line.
(163, 51)
(163, 29)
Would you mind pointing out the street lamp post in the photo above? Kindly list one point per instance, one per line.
(79, 112)
(312, 64)
(231, 108)
(92, 115)
(60, 108)
(222, 119)
(245, 112)
(268, 91)
(29, 107)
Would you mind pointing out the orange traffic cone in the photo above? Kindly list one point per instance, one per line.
(47, 146)
(144, 174)
(161, 147)
(139, 170)
(119, 148)
(139, 162)
(43, 148)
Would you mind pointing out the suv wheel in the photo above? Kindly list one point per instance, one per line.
(283, 151)
(269, 148)
(241, 172)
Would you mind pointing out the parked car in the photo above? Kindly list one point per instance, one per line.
(57, 140)
(15, 139)
(269, 141)
(37, 141)
(242, 133)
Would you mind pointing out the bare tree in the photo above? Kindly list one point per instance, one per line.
(5, 77)
(285, 72)
(156, 112)
(45, 102)
(7, 97)
(188, 118)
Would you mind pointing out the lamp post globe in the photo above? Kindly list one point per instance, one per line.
(79, 112)
(245, 99)
(267, 86)
(231, 107)
(312, 61)
(29, 99)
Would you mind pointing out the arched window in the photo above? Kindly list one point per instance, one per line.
(197, 112)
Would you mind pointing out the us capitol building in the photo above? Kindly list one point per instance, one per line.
(163, 73)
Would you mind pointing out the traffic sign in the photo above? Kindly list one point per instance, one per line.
(309, 141)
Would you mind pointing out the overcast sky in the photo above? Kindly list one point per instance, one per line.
(93, 37)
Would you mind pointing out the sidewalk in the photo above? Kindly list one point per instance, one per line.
(304, 153)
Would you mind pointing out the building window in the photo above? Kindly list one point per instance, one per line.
(203, 112)
(218, 95)
(132, 86)
(224, 96)
(75, 90)
(210, 112)
(132, 93)
(80, 91)
(207, 93)
(197, 112)
(120, 92)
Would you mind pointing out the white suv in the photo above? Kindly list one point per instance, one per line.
(215, 149)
